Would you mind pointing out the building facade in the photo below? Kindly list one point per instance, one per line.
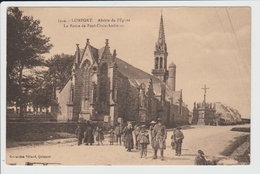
(103, 87)
(215, 114)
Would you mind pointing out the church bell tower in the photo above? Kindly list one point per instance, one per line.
(160, 55)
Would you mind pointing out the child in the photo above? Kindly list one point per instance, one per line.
(172, 140)
(178, 138)
(143, 138)
(79, 133)
(111, 136)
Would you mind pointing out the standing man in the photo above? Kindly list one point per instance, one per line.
(118, 132)
(79, 133)
(159, 136)
(178, 137)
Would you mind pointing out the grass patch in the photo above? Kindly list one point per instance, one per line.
(234, 145)
(11, 143)
(34, 139)
(241, 129)
(43, 136)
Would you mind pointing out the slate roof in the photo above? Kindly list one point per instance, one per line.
(136, 77)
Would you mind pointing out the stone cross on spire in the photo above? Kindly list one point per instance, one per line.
(205, 90)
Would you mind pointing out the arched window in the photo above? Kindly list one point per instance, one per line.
(156, 62)
(85, 80)
(86, 64)
(161, 62)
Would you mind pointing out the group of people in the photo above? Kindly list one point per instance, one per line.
(157, 140)
(86, 135)
(142, 138)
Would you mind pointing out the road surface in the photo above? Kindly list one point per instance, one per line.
(211, 139)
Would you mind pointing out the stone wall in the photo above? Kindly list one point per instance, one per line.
(127, 99)
(63, 98)
(20, 128)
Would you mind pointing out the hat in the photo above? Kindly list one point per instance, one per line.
(179, 128)
(153, 122)
(159, 119)
(143, 126)
(201, 152)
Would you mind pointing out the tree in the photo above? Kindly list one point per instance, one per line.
(60, 66)
(25, 45)
(38, 90)
(42, 84)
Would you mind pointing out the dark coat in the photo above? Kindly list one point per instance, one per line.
(178, 136)
(200, 160)
(111, 136)
(79, 133)
(88, 135)
(118, 130)
(129, 142)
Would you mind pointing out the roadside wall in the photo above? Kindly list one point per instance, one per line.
(20, 128)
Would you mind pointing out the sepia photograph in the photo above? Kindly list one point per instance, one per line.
(128, 86)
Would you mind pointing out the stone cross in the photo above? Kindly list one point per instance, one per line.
(205, 90)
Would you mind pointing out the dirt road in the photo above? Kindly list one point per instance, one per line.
(212, 140)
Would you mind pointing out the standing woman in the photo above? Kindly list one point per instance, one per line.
(100, 136)
(88, 135)
(129, 142)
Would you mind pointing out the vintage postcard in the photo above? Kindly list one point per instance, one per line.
(128, 86)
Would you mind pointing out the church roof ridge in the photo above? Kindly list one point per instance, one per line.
(133, 72)
(137, 76)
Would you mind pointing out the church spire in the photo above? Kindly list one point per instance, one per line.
(161, 43)
(160, 55)
(161, 38)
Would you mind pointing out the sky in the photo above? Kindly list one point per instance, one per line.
(209, 45)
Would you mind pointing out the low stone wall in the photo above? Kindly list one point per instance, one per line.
(14, 129)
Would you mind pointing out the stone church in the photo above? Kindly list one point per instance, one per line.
(103, 87)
